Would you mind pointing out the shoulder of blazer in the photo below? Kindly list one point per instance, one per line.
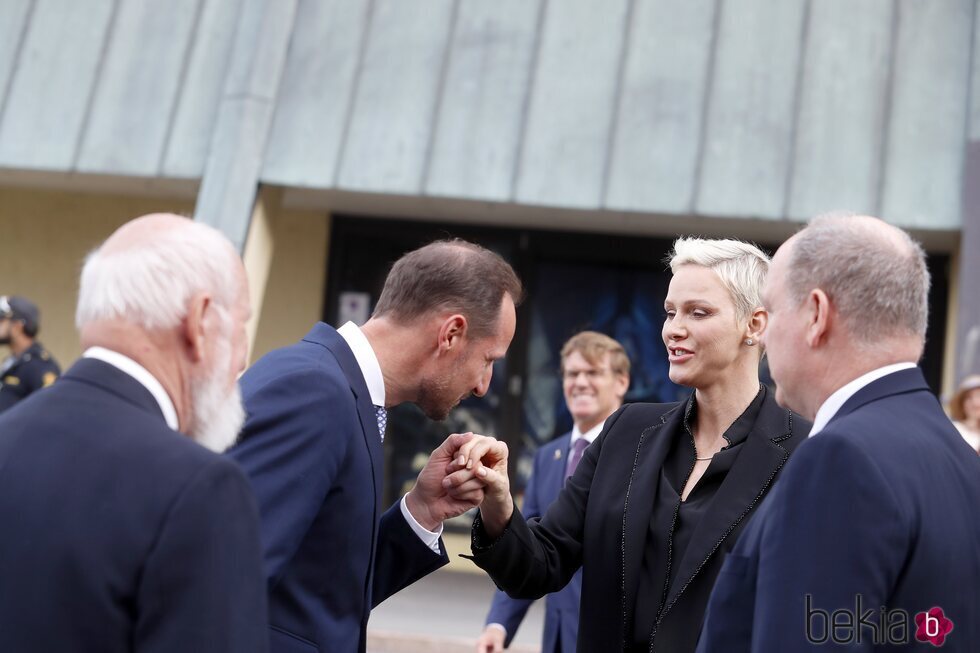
(643, 415)
(780, 425)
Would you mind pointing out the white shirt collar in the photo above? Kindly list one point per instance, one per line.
(367, 360)
(842, 394)
(128, 366)
(589, 435)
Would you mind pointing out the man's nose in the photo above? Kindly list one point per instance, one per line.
(484, 385)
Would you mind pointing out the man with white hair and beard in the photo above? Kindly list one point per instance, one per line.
(121, 532)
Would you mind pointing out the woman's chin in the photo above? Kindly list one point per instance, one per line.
(681, 378)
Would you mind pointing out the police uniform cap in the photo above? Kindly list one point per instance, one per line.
(21, 309)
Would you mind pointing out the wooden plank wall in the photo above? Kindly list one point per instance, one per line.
(728, 108)
(478, 132)
(118, 87)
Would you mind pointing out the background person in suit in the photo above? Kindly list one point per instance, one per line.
(120, 534)
(30, 366)
(964, 408)
(664, 491)
(595, 377)
(312, 441)
(875, 508)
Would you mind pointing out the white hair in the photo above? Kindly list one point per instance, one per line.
(877, 279)
(742, 267)
(218, 412)
(151, 282)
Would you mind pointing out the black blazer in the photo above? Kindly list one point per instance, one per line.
(601, 519)
(120, 534)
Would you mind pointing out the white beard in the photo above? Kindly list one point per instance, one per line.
(218, 414)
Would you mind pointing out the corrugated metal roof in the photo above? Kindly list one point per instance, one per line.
(738, 108)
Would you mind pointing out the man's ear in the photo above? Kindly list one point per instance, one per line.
(452, 333)
(819, 313)
(622, 385)
(199, 311)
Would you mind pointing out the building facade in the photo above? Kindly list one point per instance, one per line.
(575, 137)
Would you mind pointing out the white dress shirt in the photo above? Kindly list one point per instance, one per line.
(972, 437)
(834, 402)
(367, 361)
(128, 366)
(589, 435)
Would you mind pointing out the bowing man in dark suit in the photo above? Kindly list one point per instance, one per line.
(312, 442)
(665, 490)
(121, 533)
(870, 540)
(595, 377)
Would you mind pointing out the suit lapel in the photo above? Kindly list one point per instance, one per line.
(333, 341)
(557, 465)
(651, 451)
(756, 466)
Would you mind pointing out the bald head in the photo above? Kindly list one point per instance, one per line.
(147, 270)
(873, 272)
(144, 231)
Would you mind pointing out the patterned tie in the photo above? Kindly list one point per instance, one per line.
(578, 448)
(382, 416)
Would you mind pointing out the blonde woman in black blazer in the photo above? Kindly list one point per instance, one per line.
(664, 491)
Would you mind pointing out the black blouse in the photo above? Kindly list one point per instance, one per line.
(673, 521)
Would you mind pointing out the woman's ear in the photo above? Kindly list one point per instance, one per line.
(756, 325)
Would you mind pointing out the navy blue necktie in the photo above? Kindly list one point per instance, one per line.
(382, 416)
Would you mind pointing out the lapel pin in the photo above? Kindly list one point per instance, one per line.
(557, 454)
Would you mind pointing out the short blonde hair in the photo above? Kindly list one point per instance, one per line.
(742, 267)
(593, 346)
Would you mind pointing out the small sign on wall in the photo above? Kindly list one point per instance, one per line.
(354, 307)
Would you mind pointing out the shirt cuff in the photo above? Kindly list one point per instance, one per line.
(500, 626)
(429, 538)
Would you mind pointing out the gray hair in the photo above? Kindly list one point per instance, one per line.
(877, 279)
(151, 282)
(742, 267)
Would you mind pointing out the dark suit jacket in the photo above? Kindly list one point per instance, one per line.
(601, 518)
(881, 503)
(118, 533)
(312, 451)
(561, 607)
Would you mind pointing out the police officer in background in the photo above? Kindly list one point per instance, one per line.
(29, 367)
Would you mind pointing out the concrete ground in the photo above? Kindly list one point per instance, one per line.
(444, 612)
